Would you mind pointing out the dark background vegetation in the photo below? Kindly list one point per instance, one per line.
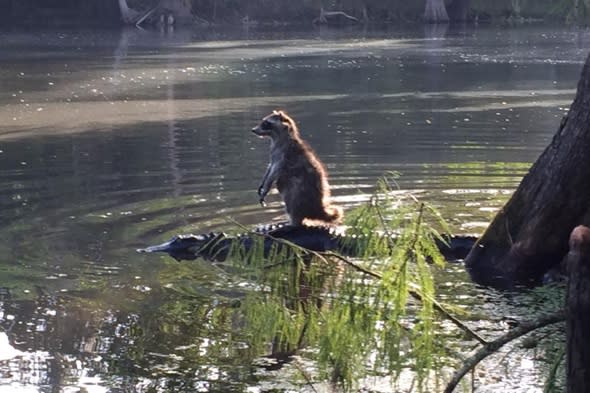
(106, 12)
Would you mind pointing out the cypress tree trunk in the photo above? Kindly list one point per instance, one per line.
(578, 312)
(127, 14)
(435, 12)
(530, 234)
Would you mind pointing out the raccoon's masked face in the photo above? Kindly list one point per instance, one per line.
(273, 126)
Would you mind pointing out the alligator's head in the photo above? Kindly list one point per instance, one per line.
(185, 247)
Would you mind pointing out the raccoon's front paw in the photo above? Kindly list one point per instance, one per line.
(261, 193)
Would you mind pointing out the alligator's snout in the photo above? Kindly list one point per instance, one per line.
(184, 247)
(164, 247)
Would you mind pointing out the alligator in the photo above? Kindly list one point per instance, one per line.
(216, 246)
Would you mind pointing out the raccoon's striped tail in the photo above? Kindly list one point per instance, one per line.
(330, 215)
(333, 214)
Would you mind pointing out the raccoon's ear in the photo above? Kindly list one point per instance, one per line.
(279, 113)
(282, 115)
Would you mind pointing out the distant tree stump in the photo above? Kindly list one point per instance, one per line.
(181, 10)
(578, 311)
(435, 12)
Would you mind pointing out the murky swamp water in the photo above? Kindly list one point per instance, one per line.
(111, 141)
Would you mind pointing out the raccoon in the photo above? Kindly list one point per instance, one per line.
(299, 174)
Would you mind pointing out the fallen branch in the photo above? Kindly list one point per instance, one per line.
(493, 346)
(141, 19)
(201, 21)
(324, 15)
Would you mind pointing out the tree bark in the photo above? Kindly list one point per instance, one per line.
(578, 312)
(435, 12)
(529, 235)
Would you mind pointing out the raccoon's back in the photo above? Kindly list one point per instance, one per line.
(301, 172)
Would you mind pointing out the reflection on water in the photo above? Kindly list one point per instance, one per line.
(111, 141)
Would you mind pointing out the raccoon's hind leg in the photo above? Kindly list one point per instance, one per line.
(295, 219)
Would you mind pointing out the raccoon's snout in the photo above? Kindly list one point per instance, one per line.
(260, 132)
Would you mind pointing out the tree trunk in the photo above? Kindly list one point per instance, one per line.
(516, 8)
(435, 12)
(128, 15)
(575, 12)
(530, 234)
(578, 312)
(458, 10)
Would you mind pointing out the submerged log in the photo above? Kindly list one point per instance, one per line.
(578, 312)
(529, 235)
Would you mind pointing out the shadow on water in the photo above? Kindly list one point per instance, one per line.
(116, 141)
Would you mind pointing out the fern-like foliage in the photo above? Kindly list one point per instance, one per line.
(372, 315)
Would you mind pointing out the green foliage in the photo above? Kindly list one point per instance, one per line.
(374, 315)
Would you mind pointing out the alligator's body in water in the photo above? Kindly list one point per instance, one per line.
(216, 246)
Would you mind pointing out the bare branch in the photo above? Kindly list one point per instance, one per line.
(146, 15)
(344, 14)
(323, 18)
(493, 346)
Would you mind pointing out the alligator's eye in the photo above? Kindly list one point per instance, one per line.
(266, 125)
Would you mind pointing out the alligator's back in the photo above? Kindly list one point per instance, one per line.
(217, 246)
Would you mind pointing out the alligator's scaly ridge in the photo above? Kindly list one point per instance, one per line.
(215, 246)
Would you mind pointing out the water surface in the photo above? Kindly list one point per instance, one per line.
(114, 140)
